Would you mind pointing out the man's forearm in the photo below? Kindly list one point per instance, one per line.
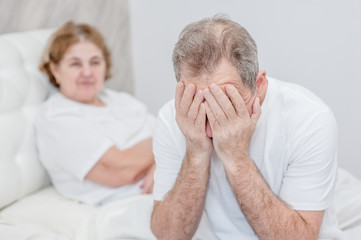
(179, 214)
(268, 216)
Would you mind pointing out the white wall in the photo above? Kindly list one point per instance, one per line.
(315, 43)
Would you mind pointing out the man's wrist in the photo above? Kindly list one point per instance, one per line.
(198, 157)
(236, 165)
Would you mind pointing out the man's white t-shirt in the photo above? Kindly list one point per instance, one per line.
(72, 137)
(294, 146)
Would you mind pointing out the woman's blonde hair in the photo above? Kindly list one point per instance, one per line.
(67, 35)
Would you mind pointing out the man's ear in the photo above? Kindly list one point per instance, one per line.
(54, 71)
(261, 85)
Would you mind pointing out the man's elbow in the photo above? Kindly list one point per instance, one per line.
(158, 224)
(156, 229)
(311, 222)
(312, 233)
(164, 231)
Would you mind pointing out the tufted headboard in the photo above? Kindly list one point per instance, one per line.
(22, 89)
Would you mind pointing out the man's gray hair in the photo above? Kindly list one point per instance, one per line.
(203, 44)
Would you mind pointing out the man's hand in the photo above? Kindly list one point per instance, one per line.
(191, 119)
(179, 214)
(232, 125)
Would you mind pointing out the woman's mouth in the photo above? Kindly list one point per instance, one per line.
(86, 83)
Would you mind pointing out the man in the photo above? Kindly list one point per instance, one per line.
(256, 155)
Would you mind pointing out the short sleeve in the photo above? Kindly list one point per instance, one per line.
(309, 181)
(70, 143)
(168, 148)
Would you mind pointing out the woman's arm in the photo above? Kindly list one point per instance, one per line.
(116, 168)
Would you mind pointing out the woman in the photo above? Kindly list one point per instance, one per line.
(95, 143)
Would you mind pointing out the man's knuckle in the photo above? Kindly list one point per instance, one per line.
(182, 107)
(192, 115)
(229, 108)
(218, 115)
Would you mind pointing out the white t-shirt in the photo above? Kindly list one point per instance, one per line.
(72, 137)
(294, 146)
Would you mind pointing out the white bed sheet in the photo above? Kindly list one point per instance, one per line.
(50, 210)
(11, 231)
(46, 213)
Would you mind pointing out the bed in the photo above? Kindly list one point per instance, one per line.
(30, 206)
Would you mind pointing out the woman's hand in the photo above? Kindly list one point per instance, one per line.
(148, 182)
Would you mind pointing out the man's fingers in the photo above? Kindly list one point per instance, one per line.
(194, 109)
(211, 118)
(256, 111)
(223, 101)
(201, 117)
(187, 99)
(236, 100)
(178, 94)
(217, 111)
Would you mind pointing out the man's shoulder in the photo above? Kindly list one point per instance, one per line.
(296, 110)
(297, 99)
(294, 90)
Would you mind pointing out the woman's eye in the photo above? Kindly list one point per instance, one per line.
(95, 62)
(75, 64)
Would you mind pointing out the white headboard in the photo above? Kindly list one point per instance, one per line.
(22, 89)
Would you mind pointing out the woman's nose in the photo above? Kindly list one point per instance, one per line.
(86, 70)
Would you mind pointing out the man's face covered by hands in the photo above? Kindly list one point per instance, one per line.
(215, 91)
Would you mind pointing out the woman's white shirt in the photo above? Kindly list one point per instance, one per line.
(72, 137)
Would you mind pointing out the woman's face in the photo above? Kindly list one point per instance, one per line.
(81, 72)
